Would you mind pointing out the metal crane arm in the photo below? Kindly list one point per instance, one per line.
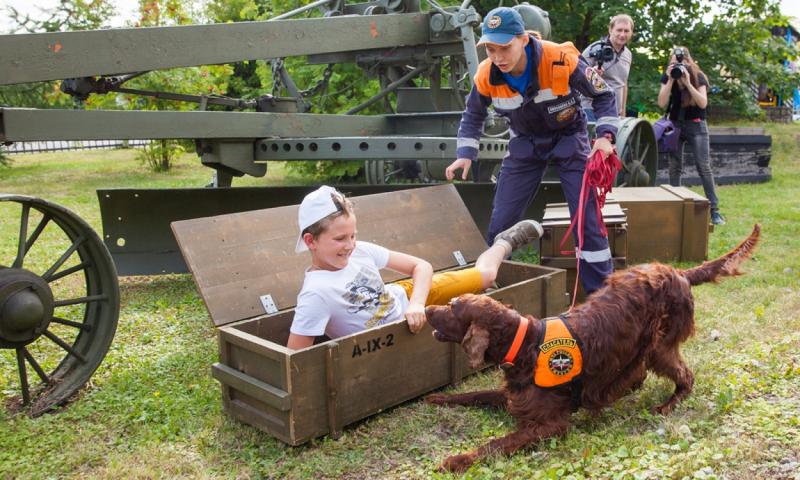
(54, 56)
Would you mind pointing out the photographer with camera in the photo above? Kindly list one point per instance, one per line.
(684, 93)
(612, 59)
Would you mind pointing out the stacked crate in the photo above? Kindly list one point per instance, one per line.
(556, 222)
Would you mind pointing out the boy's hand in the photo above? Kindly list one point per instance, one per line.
(460, 164)
(415, 316)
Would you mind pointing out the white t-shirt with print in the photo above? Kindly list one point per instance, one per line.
(341, 302)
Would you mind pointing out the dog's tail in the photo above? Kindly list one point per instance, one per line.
(726, 265)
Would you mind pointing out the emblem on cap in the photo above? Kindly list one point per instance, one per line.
(494, 22)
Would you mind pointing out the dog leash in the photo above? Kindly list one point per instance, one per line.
(598, 180)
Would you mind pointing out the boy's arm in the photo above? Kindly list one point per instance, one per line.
(311, 315)
(296, 342)
(421, 273)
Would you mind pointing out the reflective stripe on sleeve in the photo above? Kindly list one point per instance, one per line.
(546, 94)
(596, 256)
(507, 103)
(467, 142)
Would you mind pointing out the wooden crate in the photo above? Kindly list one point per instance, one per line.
(297, 395)
(665, 223)
(556, 221)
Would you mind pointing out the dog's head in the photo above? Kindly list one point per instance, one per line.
(478, 322)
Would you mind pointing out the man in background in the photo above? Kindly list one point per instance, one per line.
(612, 58)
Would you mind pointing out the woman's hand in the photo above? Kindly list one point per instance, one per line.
(684, 80)
(461, 163)
(670, 80)
(602, 144)
(415, 316)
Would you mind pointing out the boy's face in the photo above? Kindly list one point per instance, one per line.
(331, 250)
(507, 57)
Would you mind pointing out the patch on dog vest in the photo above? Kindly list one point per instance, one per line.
(559, 358)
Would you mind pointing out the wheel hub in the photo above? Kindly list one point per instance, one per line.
(26, 307)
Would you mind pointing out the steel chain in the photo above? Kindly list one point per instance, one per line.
(278, 64)
(322, 83)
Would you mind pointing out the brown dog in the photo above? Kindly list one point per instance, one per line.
(635, 323)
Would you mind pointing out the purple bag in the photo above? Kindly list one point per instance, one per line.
(667, 135)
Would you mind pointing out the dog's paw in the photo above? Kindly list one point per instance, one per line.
(437, 399)
(457, 463)
(663, 409)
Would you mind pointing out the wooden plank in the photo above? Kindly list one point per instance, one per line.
(237, 258)
(260, 415)
(262, 391)
(273, 328)
(374, 380)
(557, 297)
(254, 344)
(308, 384)
(332, 378)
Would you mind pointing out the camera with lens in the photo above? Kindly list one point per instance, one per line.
(602, 52)
(677, 71)
(679, 66)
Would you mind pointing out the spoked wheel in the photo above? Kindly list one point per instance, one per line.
(381, 172)
(59, 300)
(638, 152)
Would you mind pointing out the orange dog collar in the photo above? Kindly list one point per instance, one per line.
(522, 329)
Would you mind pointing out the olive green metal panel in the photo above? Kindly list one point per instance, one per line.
(20, 124)
(53, 56)
(373, 147)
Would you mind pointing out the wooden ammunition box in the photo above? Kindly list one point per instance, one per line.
(556, 221)
(665, 223)
(249, 276)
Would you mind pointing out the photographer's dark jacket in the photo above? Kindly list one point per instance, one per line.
(690, 112)
(549, 107)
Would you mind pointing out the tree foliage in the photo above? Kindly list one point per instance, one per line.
(68, 15)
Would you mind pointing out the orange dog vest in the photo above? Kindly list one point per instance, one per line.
(559, 358)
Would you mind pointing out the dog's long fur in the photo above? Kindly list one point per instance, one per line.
(635, 323)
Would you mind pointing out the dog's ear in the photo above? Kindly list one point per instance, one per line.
(475, 343)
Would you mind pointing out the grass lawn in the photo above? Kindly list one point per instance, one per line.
(152, 409)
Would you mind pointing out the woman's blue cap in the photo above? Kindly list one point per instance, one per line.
(501, 25)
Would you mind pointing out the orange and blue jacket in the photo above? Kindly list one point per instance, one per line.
(550, 104)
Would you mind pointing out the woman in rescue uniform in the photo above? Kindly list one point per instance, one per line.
(535, 85)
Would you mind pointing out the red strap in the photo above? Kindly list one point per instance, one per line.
(508, 361)
(598, 179)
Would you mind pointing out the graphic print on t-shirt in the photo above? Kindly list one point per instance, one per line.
(366, 293)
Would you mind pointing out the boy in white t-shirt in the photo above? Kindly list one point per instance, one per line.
(343, 292)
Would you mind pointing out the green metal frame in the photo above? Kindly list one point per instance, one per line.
(54, 56)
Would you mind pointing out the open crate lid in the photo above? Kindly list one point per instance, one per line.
(238, 258)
